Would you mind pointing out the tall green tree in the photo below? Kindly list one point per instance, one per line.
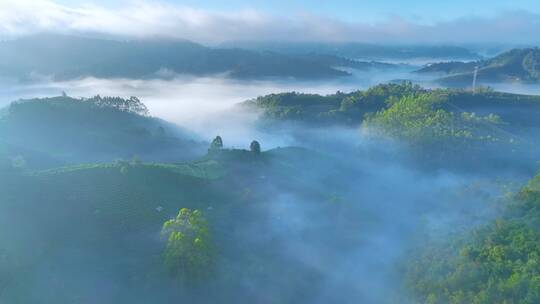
(189, 253)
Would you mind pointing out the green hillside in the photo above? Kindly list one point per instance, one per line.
(340, 108)
(105, 211)
(349, 109)
(98, 222)
(64, 129)
(74, 218)
(445, 127)
(495, 263)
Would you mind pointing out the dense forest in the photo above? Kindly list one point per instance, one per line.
(494, 263)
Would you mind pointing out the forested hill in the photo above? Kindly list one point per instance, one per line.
(67, 57)
(52, 131)
(350, 108)
(112, 213)
(518, 65)
(495, 263)
(448, 125)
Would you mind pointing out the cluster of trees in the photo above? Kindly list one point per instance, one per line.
(132, 104)
(421, 120)
(59, 129)
(217, 144)
(497, 263)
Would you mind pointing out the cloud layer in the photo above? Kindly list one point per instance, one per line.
(142, 19)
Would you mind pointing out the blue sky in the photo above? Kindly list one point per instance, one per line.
(352, 10)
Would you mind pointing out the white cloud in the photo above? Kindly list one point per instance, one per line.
(145, 18)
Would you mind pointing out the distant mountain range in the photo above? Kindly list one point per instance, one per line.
(518, 65)
(362, 51)
(68, 57)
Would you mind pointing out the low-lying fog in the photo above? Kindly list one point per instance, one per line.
(197, 103)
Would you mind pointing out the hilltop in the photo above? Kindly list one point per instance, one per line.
(63, 129)
(349, 109)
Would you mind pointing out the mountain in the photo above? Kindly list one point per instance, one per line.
(62, 129)
(518, 65)
(68, 57)
(361, 51)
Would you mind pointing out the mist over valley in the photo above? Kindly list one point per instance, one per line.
(163, 153)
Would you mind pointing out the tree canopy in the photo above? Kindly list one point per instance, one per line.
(496, 263)
(189, 252)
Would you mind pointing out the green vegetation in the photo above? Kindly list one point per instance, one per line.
(421, 120)
(96, 222)
(189, 253)
(104, 211)
(54, 131)
(285, 220)
(496, 263)
(339, 108)
(445, 127)
(350, 109)
(132, 105)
